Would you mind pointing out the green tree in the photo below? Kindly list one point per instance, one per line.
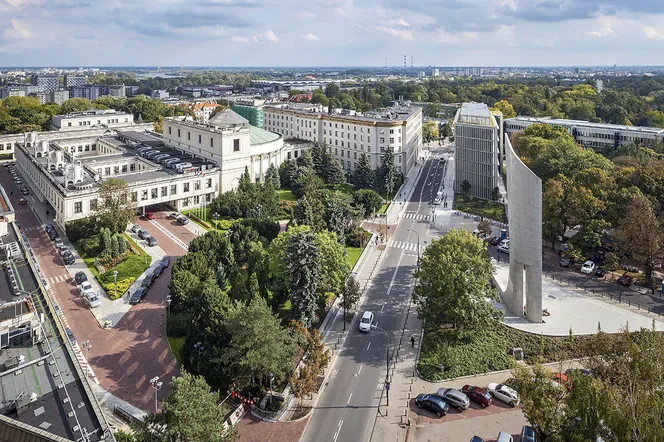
(447, 131)
(288, 173)
(75, 105)
(278, 267)
(189, 413)
(333, 264)
(302, 258)
(333, 173)
(452, 282)
(272, 177)
(505, 108)
(466, 188)
(332, 90)
(484, 227)
(351, 292)
(429, 131)
(105, 239)
(369, 200)
(363, 176)
(338, 213)
(303, 382)
(387, 172)
(115, 207)
(122, 244)
(640, 235)
(115, 248)
(495, 194)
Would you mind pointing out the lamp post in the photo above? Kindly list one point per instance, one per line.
(115, 280)
(418, 246)
(387, 374)
(168, 303)
(215, 215)
(199, 349)
(87, 347)
(156, 385)
(271, 378)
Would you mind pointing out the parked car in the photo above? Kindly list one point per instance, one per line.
(63, 250)
(565, 261)
(505, 248)
(454, 397)
(436, 201)
(69, 259)
(92, 299)
(138, 295)
(53, 234)
(504, 437)
(151, 241)
(494, 241)
(135, 228)
(86, 286)
(528, 434)
(477, 439)
(23, 201)
(601, 272)
(59, 243)
(80, 277)
(175, 215)
(183, 220)
(588, 267)
(143, 234)
(582, 371)
(504, 393)
(166, 261)
(70, 335)
(148, 280)
(157, 271)
(366, 321)
(626, 280)
(25, 192)
(149, 215)
(478, 395)
(432, 403)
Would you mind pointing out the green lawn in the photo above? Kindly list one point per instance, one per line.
(353, 255)
(128, 271)
(286, 195)
(487, 209)
(176, 346)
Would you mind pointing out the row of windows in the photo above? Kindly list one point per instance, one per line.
(78, 206)
(81, 148)
(116, 169)
(236, 141)
(89, 123)
(8, 146)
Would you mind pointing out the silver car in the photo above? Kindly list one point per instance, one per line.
(454, 398)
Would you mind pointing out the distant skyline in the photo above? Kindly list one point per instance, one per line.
(295, 33)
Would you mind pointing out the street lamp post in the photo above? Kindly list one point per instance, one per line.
(387, 374)
(156, 385)
(87, 347)
(271, 377)
(199, 349)
(215, 215)
(115, 280)
(418, 246)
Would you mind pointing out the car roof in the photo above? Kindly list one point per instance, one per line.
(367, 314)
(436, 399)
(588, 263)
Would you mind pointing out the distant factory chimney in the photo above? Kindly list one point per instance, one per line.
(404, 61)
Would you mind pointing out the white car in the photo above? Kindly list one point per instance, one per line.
(504, 393)
(505, 248)
(504, 437)
(86, 286)
(436, 201)
(366, 321)
(588, 267)
(92, 299)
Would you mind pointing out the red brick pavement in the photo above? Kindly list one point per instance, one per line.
(252, 429)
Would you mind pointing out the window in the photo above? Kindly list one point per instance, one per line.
(200, 139)
(93, 204)
(369, 139)
(116, 170)
(391, 131)
(134, 196)
(185, 187)
(208, 183)
(174, 189)
(78, 207)
(236, 145)
(124, 168)
(197, 185)
(164, 191)
(185, 202)
(144, 195)
(169, 130)
(107, 171)
(154, 193)
(178, 133)
(211, 142)
(391, 140)
(69, 124)
(189, 136)
(132, 167)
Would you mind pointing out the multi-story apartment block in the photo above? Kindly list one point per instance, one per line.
(91, 92)
(59, 96)
(598, 136)
(46, 83)
(86, 120)
(476, 149)
(203, 110)
(74, 80)
(116, 90)
(160, 94)
(12, 91)
(252, 112)
(349, 135)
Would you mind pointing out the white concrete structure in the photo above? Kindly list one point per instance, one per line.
(86, 120)
(524, 215)
(7, 214)
(349, 135)
(477, 149)
(593, 135)
(160, 94)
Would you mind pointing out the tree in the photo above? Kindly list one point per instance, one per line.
(338, 212)
(387, 173)
(543, 402)
(332, 90)
(447, 131)
(640, 235)
(484, 227)
(452, 282)
(333, 261)
(115, 248)
(288, 173)
(363, 176)
(369, 200)
(115, 207)
(105, 239)
(429, 131)
(190, 412)
(505, 108)
(333, 173)
(278, 267)
(466, 188)
(75, 105)
(303, 382)
(351, 292)
(272, 177)
(122, 244)
(302, 258)
(495, 194)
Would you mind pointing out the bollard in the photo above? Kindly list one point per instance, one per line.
(411, 382)
(405, 411)
(409, 395)
(410, 387)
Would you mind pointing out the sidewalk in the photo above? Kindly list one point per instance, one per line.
(400, 200)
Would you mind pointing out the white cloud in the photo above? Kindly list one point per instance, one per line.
(242, 40)
(17, 31)
(605, 27)
(399, 33)
(310, 37)
(442, 36)
(339, 11)
(265, 37)
(399, 23)
(652, 33)
(306, 15)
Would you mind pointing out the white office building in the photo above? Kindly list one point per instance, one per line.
(89, 119)
(477, 135)
(348, 135)
(596, 136)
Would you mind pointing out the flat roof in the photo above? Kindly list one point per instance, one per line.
(588, 124)
(475, 113)
(394, 114)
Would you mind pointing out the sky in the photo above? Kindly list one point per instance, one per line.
(331, 32)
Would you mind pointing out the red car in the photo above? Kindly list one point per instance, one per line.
(625, 280)
(478, 395)
(149, 216)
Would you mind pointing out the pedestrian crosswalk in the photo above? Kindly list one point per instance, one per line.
(32, 228)
(416, 216)
(59, 278)
(403, 245)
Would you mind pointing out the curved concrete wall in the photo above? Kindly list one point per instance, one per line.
(524, 190)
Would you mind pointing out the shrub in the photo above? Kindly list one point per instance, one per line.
(357, 238)
(225, 224)
(178, 324)
(109, 285)
(89, 245)
(81, 228)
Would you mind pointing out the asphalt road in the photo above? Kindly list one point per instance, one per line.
(348, 404)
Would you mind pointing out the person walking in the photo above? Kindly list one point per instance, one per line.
(412, 341)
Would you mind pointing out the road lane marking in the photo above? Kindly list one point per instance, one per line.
(381, 309)
(359, 371)
(368, 345)
(336, 435)
(348, 402)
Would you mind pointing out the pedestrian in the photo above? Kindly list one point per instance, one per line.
(412, 341)
(499, 258)
(47, 212)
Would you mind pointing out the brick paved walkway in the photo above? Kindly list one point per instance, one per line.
(252, 429)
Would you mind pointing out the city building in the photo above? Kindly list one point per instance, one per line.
(72, 80)
(116, 90)
(477, 149)
(250, 111)
(598, 136)
(59, 96)
(131, 90)
(160, 94)
(91, 92)
(98, 118)
(12, 91)
(46, 83)
(348, 135)
(203, 110)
